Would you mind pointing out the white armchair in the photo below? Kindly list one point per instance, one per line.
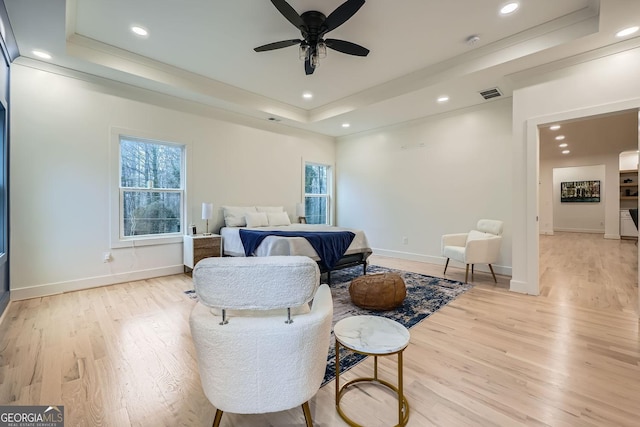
(479, 246)
(260, 347)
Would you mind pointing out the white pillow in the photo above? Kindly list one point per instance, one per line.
(258, 219)
(281, 218)
(234, 216)
(272, 209)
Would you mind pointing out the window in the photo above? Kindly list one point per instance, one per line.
(4, 161)
(317, 193)
(151, 188)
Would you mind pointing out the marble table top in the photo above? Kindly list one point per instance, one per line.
(372, 334)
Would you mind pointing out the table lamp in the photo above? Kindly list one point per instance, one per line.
(207, 214)
(300, 213)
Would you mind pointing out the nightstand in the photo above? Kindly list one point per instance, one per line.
(198, 247)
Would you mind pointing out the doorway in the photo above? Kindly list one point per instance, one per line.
(589, 140)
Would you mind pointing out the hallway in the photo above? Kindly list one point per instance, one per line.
(588, 271)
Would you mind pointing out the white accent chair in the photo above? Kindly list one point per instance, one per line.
(260, 347)
(479, 246)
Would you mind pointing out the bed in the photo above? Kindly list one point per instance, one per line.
(246, 218)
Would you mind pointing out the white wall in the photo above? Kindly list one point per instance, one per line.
(60, 170)
(428, 177)
(550, 207)
(573, 92)
(579, 217)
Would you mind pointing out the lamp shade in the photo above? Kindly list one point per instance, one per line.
(207, 210)
(300, 209)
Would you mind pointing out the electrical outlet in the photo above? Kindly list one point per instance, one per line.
(106, 257)
(405, 240)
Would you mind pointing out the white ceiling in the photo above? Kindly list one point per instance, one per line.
(202, 50)
(592, 137)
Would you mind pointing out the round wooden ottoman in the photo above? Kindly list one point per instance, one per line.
(381, 291)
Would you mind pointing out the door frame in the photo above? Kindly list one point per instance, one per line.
(531, 246)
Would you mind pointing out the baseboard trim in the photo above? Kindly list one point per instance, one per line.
(92, 282)
(409, 256)
(520, 287)
(437, 260)
(612, 236)
(580, 230)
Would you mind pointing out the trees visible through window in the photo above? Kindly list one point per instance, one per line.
(317, 185)
(151, 187)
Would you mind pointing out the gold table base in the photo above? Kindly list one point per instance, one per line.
(403, 404)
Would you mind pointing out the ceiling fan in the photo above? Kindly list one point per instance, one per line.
(314, 25)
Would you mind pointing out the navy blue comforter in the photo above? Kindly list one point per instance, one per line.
(329, 245)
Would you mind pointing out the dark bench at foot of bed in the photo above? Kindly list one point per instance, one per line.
(346, 262)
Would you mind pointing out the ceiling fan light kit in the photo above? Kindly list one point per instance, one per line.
(313, 26)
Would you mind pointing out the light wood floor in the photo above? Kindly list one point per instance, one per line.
(122, 355)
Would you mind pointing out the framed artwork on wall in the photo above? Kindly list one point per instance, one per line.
(580, 191)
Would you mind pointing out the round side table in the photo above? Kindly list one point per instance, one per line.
(373, 336)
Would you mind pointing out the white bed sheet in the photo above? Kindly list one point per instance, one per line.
(279, 245)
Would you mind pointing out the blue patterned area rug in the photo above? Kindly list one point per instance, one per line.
(425, 296)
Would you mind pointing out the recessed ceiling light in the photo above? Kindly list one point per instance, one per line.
(627, 31)
(509, 8)
(140, 31)
(564, 144)
(554, 127)
(307, 95)
(346, 125)
(565, 151)
(41, 54)
(559, 137)
(443, 98)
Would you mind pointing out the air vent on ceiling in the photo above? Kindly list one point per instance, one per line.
(491, 93)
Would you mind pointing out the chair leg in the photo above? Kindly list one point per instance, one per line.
(445, 267)
(217, 418)
(472, 272)
(493, 274)
(466, 274)
(307, 414)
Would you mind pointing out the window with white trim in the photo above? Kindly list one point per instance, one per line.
(317, 193)
(151, 199)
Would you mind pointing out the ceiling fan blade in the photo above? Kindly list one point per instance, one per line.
(342, 13)
(277, 45)
(288, 12)
(347, 47)
(308, 68)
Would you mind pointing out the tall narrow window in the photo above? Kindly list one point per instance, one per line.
(151, 188)
(317, 193)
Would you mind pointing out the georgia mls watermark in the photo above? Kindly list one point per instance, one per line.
(31, 416)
